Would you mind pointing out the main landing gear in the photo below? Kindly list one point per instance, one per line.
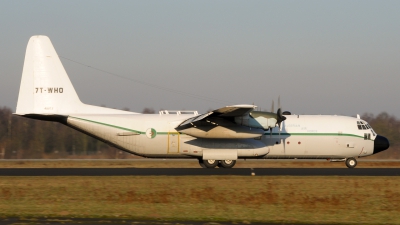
(351, 163)
(211, 163)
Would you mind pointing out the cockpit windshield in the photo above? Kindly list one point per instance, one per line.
(363, 125)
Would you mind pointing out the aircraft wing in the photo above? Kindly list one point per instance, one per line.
(227, 111)
(221, 123)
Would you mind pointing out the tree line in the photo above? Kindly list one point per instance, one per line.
(23, 138)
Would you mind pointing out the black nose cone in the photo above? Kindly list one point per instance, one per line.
(380, 144)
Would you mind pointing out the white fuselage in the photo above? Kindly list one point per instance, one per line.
(300, 136)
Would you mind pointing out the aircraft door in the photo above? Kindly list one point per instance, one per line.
(173, 138)
(173, 142)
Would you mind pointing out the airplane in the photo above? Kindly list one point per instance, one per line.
(217, 138)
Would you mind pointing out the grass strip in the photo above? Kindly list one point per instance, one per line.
(366, 200)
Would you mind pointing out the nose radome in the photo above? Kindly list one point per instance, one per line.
(380, 144)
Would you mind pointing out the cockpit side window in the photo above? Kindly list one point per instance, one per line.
(359, 125)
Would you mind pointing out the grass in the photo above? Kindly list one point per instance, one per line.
(366, 200)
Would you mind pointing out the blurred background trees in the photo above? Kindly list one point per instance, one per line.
(23, 138)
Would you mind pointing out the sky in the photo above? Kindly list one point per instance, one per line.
(320, 57)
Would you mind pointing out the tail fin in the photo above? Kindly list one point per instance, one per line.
(45, 86)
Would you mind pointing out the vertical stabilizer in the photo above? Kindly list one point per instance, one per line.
(45, 86)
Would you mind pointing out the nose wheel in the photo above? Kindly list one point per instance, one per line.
(351, 163)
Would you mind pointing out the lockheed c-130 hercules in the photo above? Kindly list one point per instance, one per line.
(217, 138)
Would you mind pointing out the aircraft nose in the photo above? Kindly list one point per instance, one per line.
(380, 144)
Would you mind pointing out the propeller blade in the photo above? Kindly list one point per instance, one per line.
(279, 119)
(279, 125)
(284, 145)
(279, 101)
(279, 113)
(272, 106)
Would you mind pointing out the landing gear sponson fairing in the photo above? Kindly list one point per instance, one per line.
(217, 138)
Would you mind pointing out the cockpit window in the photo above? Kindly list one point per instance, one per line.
(363, 126)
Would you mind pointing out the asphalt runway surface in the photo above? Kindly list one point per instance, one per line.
(199, 172)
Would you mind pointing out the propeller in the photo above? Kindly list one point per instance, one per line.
(280, 118)
(270, 119)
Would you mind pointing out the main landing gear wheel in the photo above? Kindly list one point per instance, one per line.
(202, 164)
(209, 163)
(351, 163)
(226, 163)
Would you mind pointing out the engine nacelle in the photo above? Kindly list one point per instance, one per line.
(235, 131)
(259, 120)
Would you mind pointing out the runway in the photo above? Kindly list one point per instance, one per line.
(199, 172)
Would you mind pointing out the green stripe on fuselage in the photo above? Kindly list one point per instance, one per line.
(315, 134)
(277, 134)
